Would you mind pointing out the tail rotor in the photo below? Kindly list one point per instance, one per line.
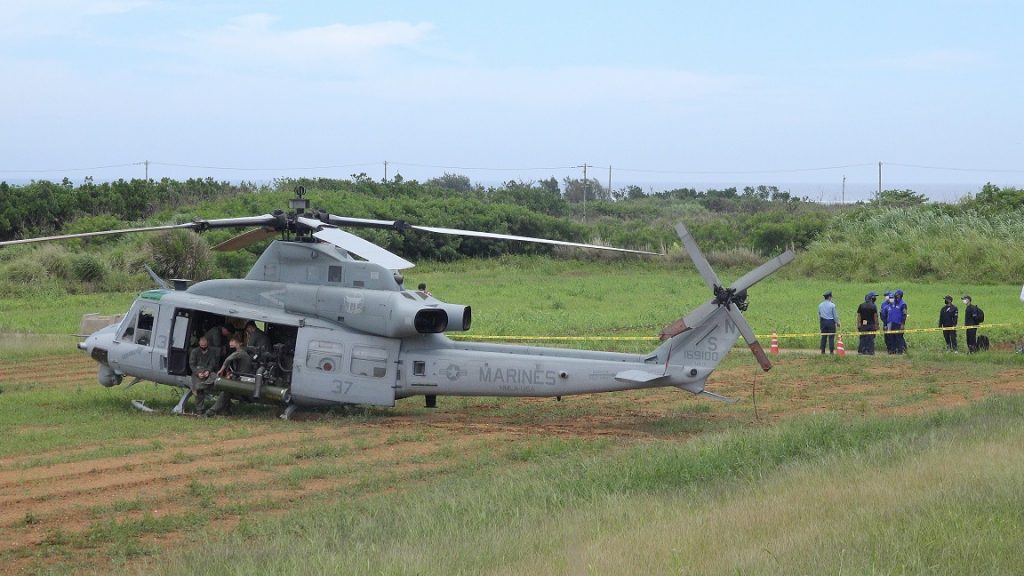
(733, 298)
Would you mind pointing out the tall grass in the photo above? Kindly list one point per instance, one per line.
(934, 494)
(919, 244)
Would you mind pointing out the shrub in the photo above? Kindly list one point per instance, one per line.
(180, 254)
(88, 268)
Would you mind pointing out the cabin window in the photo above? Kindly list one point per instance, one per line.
(179, 339)
(419, 368)
(324, 356)
(369, 361)
(334, 273)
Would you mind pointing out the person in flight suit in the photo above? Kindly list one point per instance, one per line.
(203, 362)
(948, 316)
(256, 338)
(238, 362)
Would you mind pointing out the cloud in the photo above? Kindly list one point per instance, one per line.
(256, 37)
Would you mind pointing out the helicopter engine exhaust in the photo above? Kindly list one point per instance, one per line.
(459, 317)
(444, 318)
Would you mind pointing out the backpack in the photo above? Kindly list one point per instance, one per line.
(983, 342)
(980, 315)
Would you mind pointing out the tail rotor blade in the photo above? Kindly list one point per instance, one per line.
(691, 320)
(763, 271)
(748, 334)
(702, 264)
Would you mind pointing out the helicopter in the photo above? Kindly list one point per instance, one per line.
(342, 329)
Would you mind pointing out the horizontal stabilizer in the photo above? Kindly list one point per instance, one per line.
(638, 376)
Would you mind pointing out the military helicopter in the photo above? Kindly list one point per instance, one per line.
(343, 329)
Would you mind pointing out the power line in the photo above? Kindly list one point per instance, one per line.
(490, 169)
(953, 169)
(45, 170)
(276, 169)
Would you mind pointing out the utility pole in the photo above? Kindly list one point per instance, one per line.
(586, 187)
(843, 200)
(609, 180)
(385, 171)
(879, 179)
(147, 169)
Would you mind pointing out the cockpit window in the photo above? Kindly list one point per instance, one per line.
(138, 327)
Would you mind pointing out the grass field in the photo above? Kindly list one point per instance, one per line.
(825, 465)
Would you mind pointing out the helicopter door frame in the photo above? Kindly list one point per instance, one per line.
(177, 352)
(133, 345)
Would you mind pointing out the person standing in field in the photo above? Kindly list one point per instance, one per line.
(948, 316)
(828, 321)
(883, 315)
(973, 317)
(898, 321)
(867, 324)
(203, 361)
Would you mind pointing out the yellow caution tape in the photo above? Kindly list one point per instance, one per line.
(759, 336)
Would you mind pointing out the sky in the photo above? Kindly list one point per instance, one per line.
(665, 93)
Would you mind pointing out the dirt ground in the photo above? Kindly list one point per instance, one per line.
(50, 498)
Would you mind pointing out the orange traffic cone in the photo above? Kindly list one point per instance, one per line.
(840, 349)
(775, 344)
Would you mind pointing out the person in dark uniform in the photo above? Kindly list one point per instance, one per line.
(883, 315)
(948, 316)
(972, 318)
(867, 324)
(828, 321)
(897, 321)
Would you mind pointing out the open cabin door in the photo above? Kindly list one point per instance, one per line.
(177, 354)
(333, 366)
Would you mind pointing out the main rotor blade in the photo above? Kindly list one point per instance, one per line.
(198, 225)
(702, 264)
(494, 236)
(763, 271)
(364, 222)
(245, 239)
(358, 246)
(748, 334)
(95, 234)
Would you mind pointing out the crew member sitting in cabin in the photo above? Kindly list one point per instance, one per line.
(203, 361)
(237, 363)
(256, 338)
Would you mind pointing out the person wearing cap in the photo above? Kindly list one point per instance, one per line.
(897, 321)
(972, 317)
(883, 315)
(867, 324)
(828, 319)
(948, 316)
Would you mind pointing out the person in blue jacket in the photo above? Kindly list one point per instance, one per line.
(883, 315)
(898, 321)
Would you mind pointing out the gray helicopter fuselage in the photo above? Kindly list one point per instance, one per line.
(331, 363)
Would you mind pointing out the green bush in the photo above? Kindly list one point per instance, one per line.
(88, 268)
(180, 254)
